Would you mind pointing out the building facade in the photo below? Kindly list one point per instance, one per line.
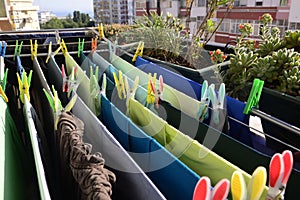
(114, 11)
(5, 24)
(45, 16)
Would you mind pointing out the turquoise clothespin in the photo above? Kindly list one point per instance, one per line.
(80, 47)
(18, 49)
(3, 72)
(204, 102)
(254, 96)
(217, 102)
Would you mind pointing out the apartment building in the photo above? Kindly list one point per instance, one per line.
(23, 15)
(45, 16)
(114, 11)
(249, 11)
(5, 24)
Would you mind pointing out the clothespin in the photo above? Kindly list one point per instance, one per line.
(202, 113)
(95, 89)
(64, 48)
(157, 92)
(101, 31)
(56, 105)
(70, 83)
(3, 46)
(254, 95)
(33, 49)
(139, 51)
(3, 79)
(130, 91)
(2, 94)
(57, 37)
(119, 82)
(103, 85)
(3, 75)
(217, 102)
(150, 92)
(24, 85)
(94, 44)
(18, 49)
(80, 47)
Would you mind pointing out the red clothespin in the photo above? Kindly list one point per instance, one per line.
(66, 85)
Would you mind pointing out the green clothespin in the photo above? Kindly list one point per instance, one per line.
(95, 89)
(254, 95)
(18, 49)
(24, 85)
(56, 105)
(80, 47)
(3, 79)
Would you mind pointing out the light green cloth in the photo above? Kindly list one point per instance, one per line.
(43, 187)
(200, 159)
(176, 98)
(12, 155)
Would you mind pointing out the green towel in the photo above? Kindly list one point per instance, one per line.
(13, 173)
(200, 159)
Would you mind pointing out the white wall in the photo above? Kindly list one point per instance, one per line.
(294, 11)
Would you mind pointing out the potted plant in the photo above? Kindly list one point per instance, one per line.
(276, 61)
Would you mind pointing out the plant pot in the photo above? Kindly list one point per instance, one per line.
(285, 108)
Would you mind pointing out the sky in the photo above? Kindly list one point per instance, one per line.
(64, 7)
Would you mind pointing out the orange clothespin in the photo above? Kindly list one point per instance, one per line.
(94, 44)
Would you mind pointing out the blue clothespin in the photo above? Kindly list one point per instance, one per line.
(217, 102)
(254, 95)
(80, 47)
(204, 102)
(3, 46)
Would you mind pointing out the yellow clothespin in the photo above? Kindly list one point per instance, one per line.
(101, 31)
(24, 85)
(63, 47)
(120, 85)
(33, 49)
(2, 93)
(139, 51)
(150, 90)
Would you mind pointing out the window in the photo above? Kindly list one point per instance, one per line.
(236, 3)
(258, 3)
(283, 2)
(201, 3)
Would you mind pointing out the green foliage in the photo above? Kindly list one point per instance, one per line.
(78, 20)
(274, 61)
